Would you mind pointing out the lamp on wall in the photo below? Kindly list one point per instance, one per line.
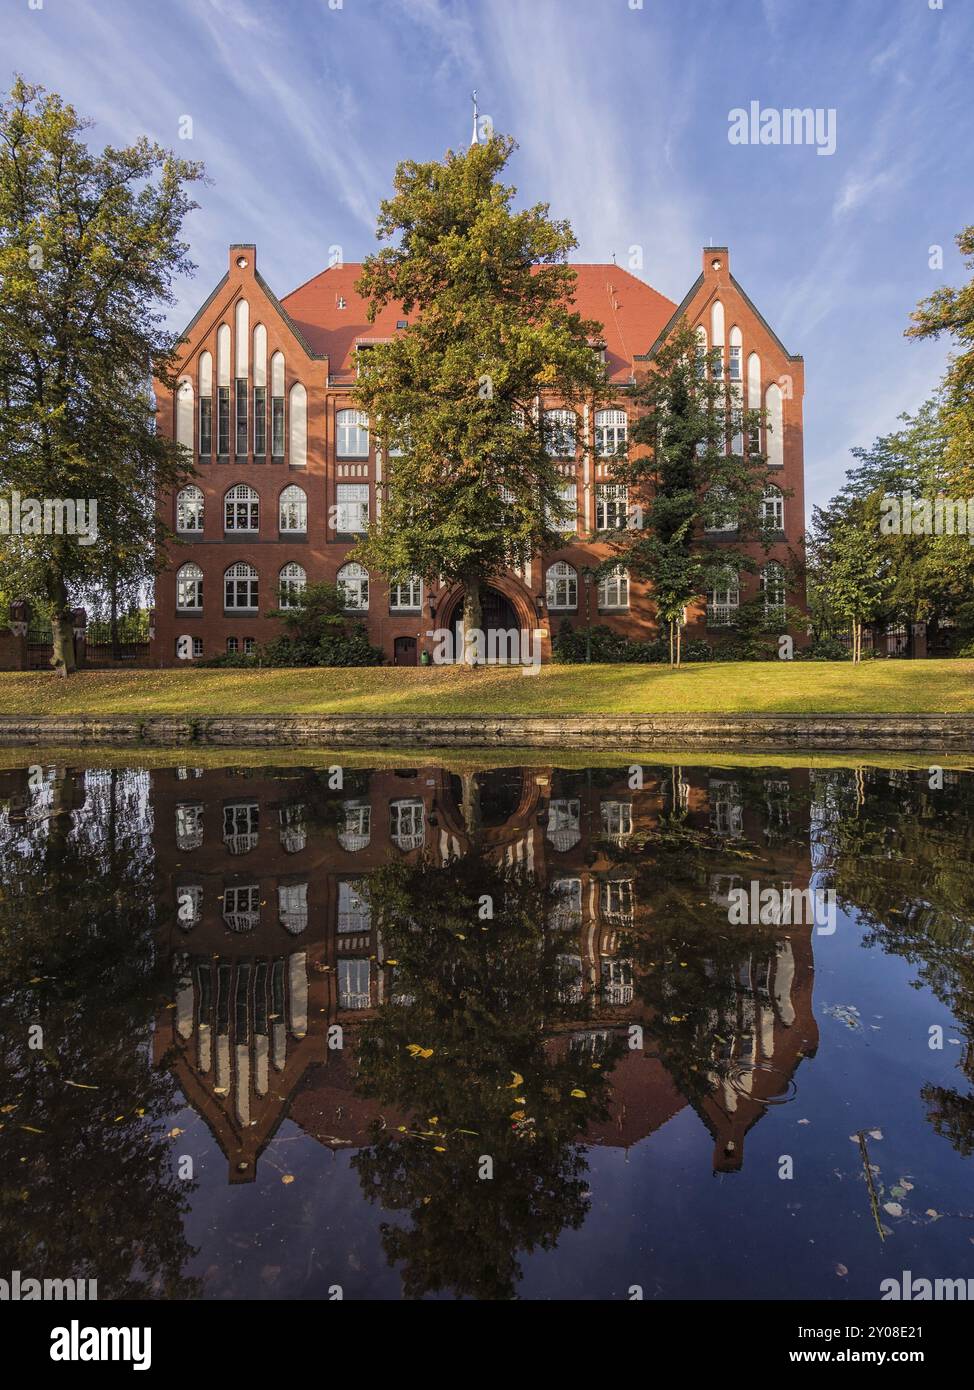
(539, 605)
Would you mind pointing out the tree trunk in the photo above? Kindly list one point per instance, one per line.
(679, 644)
(670, 625)
(472, 817)
(113, 620)
(62, 627)
(472, 618)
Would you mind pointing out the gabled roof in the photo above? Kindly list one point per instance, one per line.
(688, 299)
(631, 312)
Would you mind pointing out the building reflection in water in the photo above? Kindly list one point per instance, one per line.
(264, 880)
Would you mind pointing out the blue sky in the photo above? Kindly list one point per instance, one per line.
(301, 108)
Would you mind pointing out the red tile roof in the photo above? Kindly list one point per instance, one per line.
(631, 312)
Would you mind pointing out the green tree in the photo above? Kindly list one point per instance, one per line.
(693, 473)
(471, 483)
(89, 246)
(951, 311)
(852, 562)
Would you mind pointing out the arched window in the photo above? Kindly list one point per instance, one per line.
(240, 587)
(611, 432)
(241, 509)
(189, 588)
(561, 586)
(406, 595)
(353, 434)
(298, 415)
(185, 413)
(773, 509)
(773, 589)
(353, 585)
(719, 514)
(189, 510)
(735, 353)
(277, 405)
(614, 589)
(717, 336)
(293, 509)
(292, 585)
(754, 402)
(723, 600)
(206, 406)
(408, 823)
(701, 351)
(775, 446)
(559, 429)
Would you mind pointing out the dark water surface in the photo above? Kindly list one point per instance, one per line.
(273, 1032)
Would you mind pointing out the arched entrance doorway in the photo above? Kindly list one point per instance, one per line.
(497, 614)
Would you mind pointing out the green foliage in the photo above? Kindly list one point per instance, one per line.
(570, 647)
(89, 248)
(473, 486)
(686, 478)
(319, 633)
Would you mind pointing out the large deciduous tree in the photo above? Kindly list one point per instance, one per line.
(89, 247)
(472, 485)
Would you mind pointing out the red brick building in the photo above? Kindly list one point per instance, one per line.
(289, 473)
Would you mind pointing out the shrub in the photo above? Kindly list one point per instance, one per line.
(319, 633)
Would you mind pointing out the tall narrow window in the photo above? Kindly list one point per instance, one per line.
(206, 427)
(611, 506)
(559, 426)
(773, 509)
(260, 422)
(773, 589)
(223, 421)
(277, 405)
(353, 585)
(292, 585)
(189, 588)
(240, 395)
(206, 406)
(723, 601)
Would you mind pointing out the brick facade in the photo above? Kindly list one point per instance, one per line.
(240, 335)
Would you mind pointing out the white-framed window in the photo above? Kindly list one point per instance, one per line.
(292, 582)
(617, 900)
(614, 589)
(197, 646)
(189, 825)
(354, 910)
(241, 509)
(356, 831)
(617, 982)
(617, 820)
(570, 978)
(293, 829)
(611, 506)
(189, 588)
(241, 906)
(354, 983)
(406, 596)
(564, 823)
(734, 361)
(566, 523)
(723, 601)
(249, 644)
(561, 586)
(773, 509)
(293, 509)
(352, 510)
(240, 588)
(773, 589)
(408, 823)
(726, 519)
(241, 826)
(726, 808)
(189, 510)
(352, 434)
(611, 432)
(559, 429)
(232, 646)
(292, 907)
(353, 585)
(701, 351)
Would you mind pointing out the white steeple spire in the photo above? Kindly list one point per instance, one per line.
(475, 136)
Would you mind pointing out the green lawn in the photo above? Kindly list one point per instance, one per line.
(774, 687)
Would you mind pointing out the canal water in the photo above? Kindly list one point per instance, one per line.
(698, 1031)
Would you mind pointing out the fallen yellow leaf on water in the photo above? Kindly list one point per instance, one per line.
(174, 1134)
(518, 1080)
(520, 1100)
(578, 1093)
(287, 1178)
(79, 1085)
(439, 1149)
(415, 1050)
(517, 1114)
(31, 1130)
